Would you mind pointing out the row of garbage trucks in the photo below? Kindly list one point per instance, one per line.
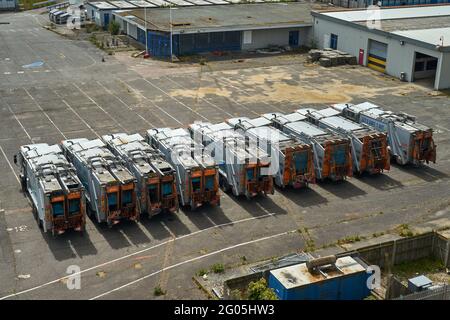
(123, 177)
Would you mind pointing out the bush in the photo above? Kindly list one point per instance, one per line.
(217, 268)
(114, 28)
(258, 290)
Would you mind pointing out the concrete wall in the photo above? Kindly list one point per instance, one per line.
(400, 58)
(443, 72)
(279, 37)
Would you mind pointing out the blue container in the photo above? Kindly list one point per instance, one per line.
(347, 282)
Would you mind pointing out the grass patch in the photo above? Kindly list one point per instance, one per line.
(350, 239)
(158, 291)
(421, 266)
(445, 92)
(28, 4)
(377, 234)
(202, 272)
(218, 268)
(405, 231)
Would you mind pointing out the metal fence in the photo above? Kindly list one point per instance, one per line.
(442, 293)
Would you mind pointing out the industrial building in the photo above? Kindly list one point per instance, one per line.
(410, 43)
(234, 27)
(381, 3)
(326, 278)
(9, 5)
(100, 12)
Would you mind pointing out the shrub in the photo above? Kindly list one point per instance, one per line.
(217, 268)
(258, 290)
(158, 291)
(114, 28)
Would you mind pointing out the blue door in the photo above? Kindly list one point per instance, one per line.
(293, 38)
(106, 18)
(333, 41)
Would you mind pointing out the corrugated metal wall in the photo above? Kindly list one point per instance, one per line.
(207, 42)
(8, 5)
(185, 44)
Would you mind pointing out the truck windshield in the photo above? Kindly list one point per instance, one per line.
(167, 189)
(209, 183)
(196, 185)
(300, 162)
(339, 155)
(250, 174)
(112, 201)
(74, 206)
(126, 197)
(153, 193)
(58, 208)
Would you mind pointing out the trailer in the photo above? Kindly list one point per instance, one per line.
(292, 158)
(156, 185)
(56, 193)
(244, 168)
(111, 194)
(369, 147)
(409, 141)
(332, 155)
(197, 173)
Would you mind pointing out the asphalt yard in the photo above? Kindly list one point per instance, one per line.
(73, 94)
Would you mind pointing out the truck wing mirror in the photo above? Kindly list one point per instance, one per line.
(15, 159)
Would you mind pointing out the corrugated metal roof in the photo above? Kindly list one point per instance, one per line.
(251, 16)
(142, 4)
(102, 5)
(298, 275)
(390, 13)
(123, 4)
(431, 36)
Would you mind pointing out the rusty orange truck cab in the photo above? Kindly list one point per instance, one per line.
(331, 153)
(111, 187)
(408, 140)
(56, 193)
(196, 172)
(243, 167)
(292, 160)
(156, 182)
(368, 147)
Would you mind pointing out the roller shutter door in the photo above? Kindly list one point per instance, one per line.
(377, 56)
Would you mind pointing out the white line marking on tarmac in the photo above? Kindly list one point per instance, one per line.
(192, 260)
(443, 128)
(173, 98)
(207, 101)
(152, 102)
(231, 223)
(20, 123)
(98, 106)
(9, 164)
(79, 117)
(45, 113)
(6, 72)
(20, 72)
(126, 105)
